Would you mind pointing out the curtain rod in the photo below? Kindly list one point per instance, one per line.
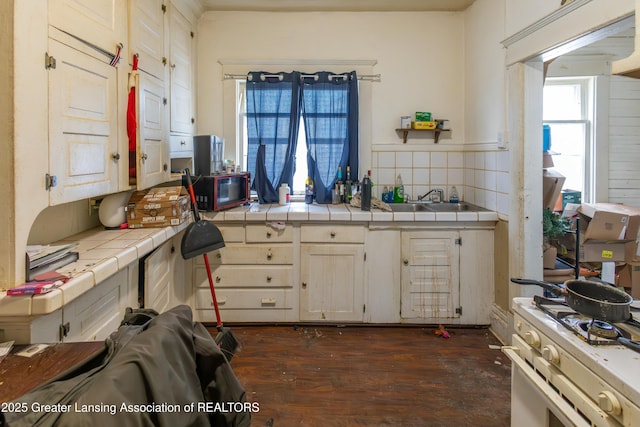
(367, 77)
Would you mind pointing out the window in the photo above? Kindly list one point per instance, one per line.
(568, 110)
(242, 141)
(272, 108)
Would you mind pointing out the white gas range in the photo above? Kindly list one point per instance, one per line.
(562, 378)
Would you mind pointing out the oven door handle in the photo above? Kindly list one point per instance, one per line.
(553, 398)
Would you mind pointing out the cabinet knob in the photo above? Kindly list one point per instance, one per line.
(116, 156)
(405, 262)
(268, 278)
(333, 234)
(183, 142)
(269, 255)
(268, 234)
(218, 279)
(144, 156)
(173, 66)
(219, 255)
(304, 285)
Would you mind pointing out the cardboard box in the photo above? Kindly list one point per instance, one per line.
(604, 250)
(549, 257)
(158, 207)
(424, 125)
(423, 116)
(601, 221)
(570, 196)
(629, 277)
(552, 182)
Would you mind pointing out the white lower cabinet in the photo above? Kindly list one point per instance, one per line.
(316, 273)
(332, 273)
(252, 274)
(447, 276)
(94, 315)
(430, 279)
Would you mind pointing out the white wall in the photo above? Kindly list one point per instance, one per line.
(624, 141)
(420, 57)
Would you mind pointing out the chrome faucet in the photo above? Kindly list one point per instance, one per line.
(440, 192)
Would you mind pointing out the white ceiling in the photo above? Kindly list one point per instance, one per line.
(337, 5)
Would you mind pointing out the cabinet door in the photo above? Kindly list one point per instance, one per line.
(332, 282)
(180, 72)
(99, 22)
(430, 282)
(146, 35)
(94, 315)
(83, 135)
(158, 278)
(153, 145)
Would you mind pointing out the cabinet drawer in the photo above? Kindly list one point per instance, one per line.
(265, 233)
(238, 253)
(332, 234)
(252, 299)
(232, 233)
(178, 143)
(226, 276)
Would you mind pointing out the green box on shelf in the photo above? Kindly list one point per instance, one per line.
(422, 116)
(571, 196)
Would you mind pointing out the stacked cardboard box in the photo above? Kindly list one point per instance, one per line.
(158, 207)
(610, 234)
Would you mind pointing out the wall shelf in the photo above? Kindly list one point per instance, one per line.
(405, 133)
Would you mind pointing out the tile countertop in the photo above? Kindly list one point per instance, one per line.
(298, 211)
(102, 253)
(105, 252)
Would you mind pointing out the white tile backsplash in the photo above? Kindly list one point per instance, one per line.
(387, 159)
(421, 159)
(439, 160)
(455, 176)
(404, 160)
(481, 177)
(503, 159)
(438, 177)
(455, 160)
(490, 161)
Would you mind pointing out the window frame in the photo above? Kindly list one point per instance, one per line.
(588, 91)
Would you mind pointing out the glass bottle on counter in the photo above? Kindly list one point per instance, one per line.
(340, 184)
(365, 202)
(348, 191)
(308, 190)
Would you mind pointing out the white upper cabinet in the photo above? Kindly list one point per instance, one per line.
(100, 22)
(153, 144)
(146, 35)
(83, 125)
(85, 96)
(181, 72)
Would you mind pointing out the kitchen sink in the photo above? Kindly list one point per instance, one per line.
(409, 207)
(435, 207)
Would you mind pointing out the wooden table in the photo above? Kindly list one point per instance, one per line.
(18, 374)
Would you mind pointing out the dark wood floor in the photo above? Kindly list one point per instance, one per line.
(372, 376)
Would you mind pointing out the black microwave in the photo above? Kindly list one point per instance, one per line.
(219, 192)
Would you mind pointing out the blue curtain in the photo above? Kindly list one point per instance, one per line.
(330, 113)
(273, 119)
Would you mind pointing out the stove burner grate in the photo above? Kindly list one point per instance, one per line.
(600, 328)
(592, 331)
